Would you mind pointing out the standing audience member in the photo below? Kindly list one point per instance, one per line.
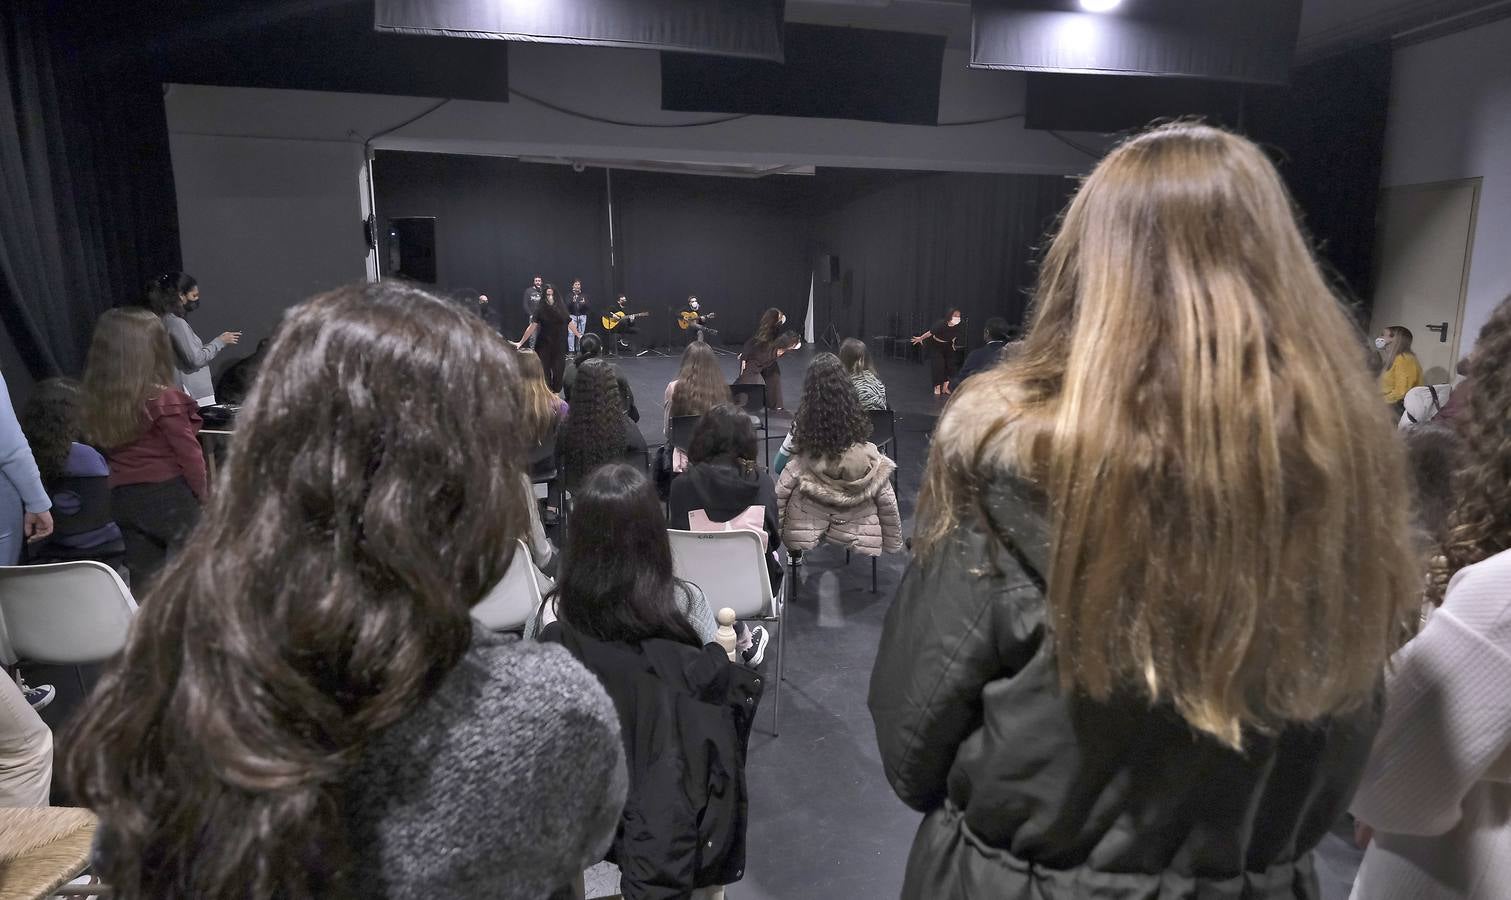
(598, 431)
(939, 345)
(1140, 647)
(988, 354)
(549, 328)
(76, 477)
(1437, 791)
(723, 490)
(25, 516)
(1401, 371)
(305, 708)
(148, 431)
(172, 297)
(837, 487)
(760, 358)
(25, 508)
(685, 710)
(856, 358)
(591, 347)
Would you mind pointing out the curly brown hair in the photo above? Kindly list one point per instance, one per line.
(1480, 525)
(700, 382)
(830, 419)
(595, 432)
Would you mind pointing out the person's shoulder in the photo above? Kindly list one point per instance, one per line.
(537, 681)
(1481, 593)
(85, 461)
(170, 401)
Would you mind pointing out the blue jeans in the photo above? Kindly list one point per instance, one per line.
(12, 524)
(582, 328)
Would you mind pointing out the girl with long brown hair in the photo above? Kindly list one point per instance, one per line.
(698, 387)
(304, 708)
(148, 430)
(759, 359)
(1140, 648)
(1436, 791)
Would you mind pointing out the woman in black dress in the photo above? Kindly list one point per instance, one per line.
(550, 325)
(758, 360)
(940, 348)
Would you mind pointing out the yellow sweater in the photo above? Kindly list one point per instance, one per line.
(1403, 375)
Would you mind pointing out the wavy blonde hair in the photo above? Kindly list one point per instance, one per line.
(130, 361)
(1225, 533)
(540, 402)
(700, 382)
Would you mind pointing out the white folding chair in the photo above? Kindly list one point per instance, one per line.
(515, 598)
(63, 614)
(730, 568)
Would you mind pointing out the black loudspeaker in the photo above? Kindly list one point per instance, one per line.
(828, 268)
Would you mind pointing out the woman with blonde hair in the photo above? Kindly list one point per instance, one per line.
(1438, 785)
(1139, 650)
(1401, 371)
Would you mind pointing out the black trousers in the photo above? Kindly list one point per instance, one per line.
(154, 519)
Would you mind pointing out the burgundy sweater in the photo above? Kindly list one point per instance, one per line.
(167, 448)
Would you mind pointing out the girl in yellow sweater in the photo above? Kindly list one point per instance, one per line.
(1402, 372)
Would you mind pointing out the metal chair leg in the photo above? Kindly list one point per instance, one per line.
(873, 574)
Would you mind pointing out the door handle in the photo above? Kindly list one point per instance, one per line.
(1442, 331)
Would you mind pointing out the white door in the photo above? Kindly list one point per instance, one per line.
(1422, 240)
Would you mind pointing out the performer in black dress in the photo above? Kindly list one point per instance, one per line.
(939, 344)
(758, 360)
(550, 326)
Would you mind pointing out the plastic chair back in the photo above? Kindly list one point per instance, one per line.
(514, 599)
(64, 614)
(729, 566)
(883, 427)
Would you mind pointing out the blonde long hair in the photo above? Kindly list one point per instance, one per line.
(1225, 529)
(130, 362)
(700, 382)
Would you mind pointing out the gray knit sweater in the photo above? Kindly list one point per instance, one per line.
(505, 783)
(192, 357)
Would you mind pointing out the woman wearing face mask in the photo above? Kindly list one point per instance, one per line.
(550, 325)
(940, 348)
(1401, 371)
(172, 297)
(758, 360)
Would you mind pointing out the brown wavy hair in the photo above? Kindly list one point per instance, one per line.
(1480, 524)
(540, 402)
(830, 419)
(1226, 525)
(700, 382)
(371, 498)
(51, 422)
(130, 361)
(766, 331)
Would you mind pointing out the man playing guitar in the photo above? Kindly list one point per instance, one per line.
(621, 322)
(695, 319)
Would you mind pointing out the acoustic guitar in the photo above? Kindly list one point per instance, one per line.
(688, 318)
(615, 319)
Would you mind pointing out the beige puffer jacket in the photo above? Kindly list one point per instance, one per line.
(848, 501)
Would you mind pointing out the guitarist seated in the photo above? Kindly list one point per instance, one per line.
(620, 322)
(693, 319)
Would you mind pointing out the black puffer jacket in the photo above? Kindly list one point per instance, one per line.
(1034, 794)
(685, 715)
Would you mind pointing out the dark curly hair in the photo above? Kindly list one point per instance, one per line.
(724, 434)
(829, 417)
(1480, 525)
(595, 423)
(766, 331)
(371, 498)
(51, 421)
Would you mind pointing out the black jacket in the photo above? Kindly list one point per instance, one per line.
(1031, 793)
(685, 715)
(983, 357)
(724, 491)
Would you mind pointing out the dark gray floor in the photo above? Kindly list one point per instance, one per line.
(823, 821)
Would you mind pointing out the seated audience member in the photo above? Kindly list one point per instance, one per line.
(148, 429)
(540, 400)
(856, 358)
(76, 476)
(722, 490)
(591, 347)
(698, 387)
(597, 430)
(684, 708)
(236, 381)
(1400, 370)
(305, 708)
(1132, 659)
(1436, 791)
(988, 354)
(25, 749)
(1453, 412)
(837, 487)
(1433, 454)
(618, 544)
(544, 414)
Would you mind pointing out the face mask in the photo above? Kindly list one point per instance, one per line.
(1380, 343)
(191, 305)
(693, 305)
(955, 321)
(782, 320)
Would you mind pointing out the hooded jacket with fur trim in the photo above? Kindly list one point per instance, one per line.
(847, 501)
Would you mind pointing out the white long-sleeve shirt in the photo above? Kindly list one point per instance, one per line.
(1437, 789)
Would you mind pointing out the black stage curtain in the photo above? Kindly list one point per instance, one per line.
(911, 247)
(87, 209)
(740, 245)
(499, 222)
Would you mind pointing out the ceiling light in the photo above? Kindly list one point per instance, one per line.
(1100, 5)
